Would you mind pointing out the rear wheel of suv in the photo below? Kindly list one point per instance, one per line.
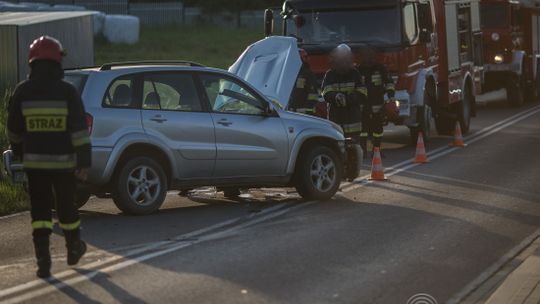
(141, 186)
(318, 173)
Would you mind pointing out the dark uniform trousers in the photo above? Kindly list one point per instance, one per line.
(378, 84)
(46, 188)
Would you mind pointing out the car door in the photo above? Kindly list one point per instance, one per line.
(173, 112)
(249, 142)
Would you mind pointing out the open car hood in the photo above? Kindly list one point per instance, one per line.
(271, 65)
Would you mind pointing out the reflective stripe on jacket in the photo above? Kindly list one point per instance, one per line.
(350, 84)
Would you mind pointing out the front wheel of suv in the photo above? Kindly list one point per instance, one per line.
(318, 173)
(141, 186)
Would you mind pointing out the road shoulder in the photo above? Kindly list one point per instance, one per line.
(518, 281)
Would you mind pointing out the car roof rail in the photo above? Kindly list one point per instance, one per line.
(81, 68)
(108, 66)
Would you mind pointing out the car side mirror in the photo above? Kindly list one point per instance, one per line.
(268, 23)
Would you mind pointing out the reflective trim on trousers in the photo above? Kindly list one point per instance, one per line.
(305, 110)
(42, 225)
(351, 128)
(72, 226)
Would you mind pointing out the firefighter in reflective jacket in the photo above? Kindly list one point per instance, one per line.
(305, 94)
(47, 128)
(378, 84)
(344, 91)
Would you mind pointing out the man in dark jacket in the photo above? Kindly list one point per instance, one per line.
(378, 85)
(47, 128)
(305, 94)
(345, 92)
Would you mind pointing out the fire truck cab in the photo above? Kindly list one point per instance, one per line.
(511, 48)
(432, 48)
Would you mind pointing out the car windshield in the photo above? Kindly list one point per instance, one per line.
(378, 27)
(77, 80)
(495, 15)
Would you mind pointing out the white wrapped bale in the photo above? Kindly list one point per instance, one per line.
(68, 8)
(99, 22)
(121, 29)
(36, 5)
(10, 7)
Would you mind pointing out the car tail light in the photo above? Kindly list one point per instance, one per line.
(89, 123)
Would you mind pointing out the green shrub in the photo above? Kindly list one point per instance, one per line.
(13, 198)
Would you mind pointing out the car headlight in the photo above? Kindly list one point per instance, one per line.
(495, 37)
(498, 58)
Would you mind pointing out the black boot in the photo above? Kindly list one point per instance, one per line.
(76, 248)
(43, 256)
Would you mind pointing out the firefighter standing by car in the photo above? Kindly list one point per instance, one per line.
(305, 94)
(345, 92)
(378, 85)
(47, 128)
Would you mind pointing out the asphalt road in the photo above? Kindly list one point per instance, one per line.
(439, 229)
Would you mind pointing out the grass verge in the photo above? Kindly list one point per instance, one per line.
(211, 46)
(13, 198)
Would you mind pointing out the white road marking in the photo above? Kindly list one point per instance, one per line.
(171, 246)
(151, 246)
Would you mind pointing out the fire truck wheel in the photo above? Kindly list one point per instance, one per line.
(514, 93)
(465, 111)
(424, 117)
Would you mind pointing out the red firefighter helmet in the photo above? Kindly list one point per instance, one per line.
(391, 110)
(46, 48)
(303, 55)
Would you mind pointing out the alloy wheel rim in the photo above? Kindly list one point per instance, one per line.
(144, 185)
(323, 173)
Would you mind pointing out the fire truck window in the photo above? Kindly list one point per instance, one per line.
(409, 21)
(465, 34)
(379, 27)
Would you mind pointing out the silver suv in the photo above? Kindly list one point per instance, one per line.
(157, 126)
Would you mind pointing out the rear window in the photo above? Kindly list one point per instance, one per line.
(77, 80)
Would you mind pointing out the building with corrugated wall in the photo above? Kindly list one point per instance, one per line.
(18, 30)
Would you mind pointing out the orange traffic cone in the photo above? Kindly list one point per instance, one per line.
(421, 156)
(458, 137)
(377, 170)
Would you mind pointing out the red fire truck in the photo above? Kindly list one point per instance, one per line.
(433, 49)
(511, 47)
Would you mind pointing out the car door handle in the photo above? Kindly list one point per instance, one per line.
(158, 119)
(224, 122)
